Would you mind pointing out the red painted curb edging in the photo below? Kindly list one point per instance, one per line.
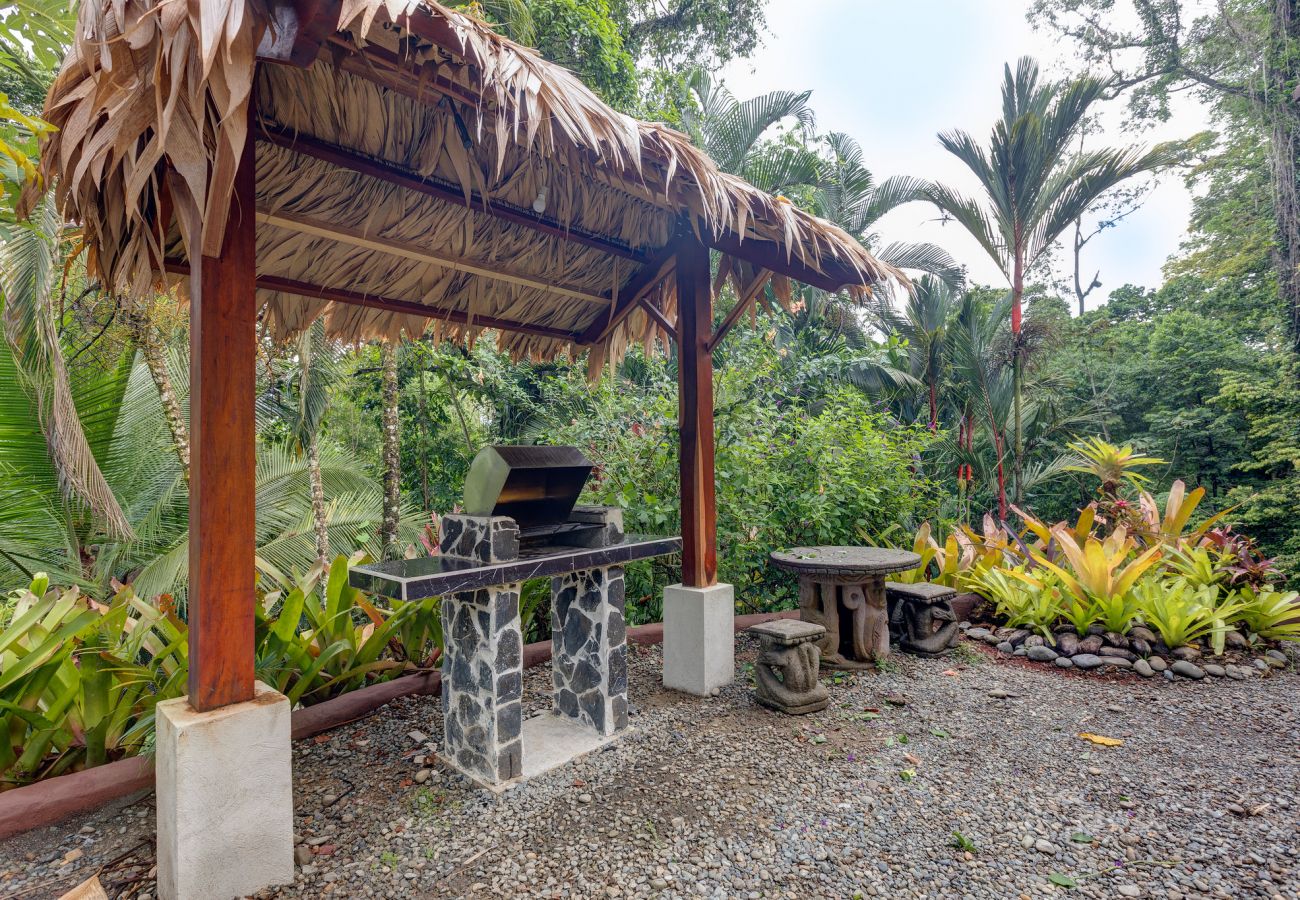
(53, 799)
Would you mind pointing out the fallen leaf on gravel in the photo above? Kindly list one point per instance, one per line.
(1082, 837)
(578, 782)
(938, 732)
(90, 889)
(912, 759)
(1064, 881)
(950, 672)
(1101, 740)
(907, 774)
(321, 738)
(405, 782)
(819, 739)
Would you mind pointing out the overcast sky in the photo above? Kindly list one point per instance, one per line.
(894, 74)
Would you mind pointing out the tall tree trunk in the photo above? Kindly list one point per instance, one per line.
(424, 443)
(1017, 377)
(318, 508)
(392, 463)
(1283, 113)
(142, 332)
(934, 405)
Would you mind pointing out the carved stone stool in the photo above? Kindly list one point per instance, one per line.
(914, 610)
(785, 676)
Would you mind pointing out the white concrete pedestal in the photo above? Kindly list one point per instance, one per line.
(225, 798)
(699, 638)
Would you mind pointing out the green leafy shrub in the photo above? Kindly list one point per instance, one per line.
(79, 680)
(347, 642)
(790, 470)
(1272, 615)
(1181, 613)
(1024, 602)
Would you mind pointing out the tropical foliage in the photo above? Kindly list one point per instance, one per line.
(79, 679)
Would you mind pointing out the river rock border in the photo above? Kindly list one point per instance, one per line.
(1139, 652)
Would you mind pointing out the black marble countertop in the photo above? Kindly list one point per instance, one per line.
(431, 576)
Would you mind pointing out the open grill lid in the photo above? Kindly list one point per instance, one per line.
(535, 486)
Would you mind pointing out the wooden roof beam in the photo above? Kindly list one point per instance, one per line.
(629, 297)
(390, 304)
(770, 256)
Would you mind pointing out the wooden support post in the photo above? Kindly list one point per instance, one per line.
(695, 384)
(223, 340)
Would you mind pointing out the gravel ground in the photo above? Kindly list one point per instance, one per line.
(721, 798)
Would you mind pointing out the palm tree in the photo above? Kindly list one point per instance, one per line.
(1033, 187)
(31, 265)
(301, 403)
(849, 195)
(732, 132)
(924, 322)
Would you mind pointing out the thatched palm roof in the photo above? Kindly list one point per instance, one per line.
(408, 157)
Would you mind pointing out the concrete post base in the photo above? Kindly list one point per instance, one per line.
(699, 640)
(225, 798)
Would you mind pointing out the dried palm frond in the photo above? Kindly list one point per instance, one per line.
(152, 106)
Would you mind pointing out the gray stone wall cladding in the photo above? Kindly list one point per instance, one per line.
(589, 648)
(485, 539)
(482, 683)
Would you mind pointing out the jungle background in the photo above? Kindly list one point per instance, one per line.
(836, 423)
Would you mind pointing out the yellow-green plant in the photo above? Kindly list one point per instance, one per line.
(1269, 614)
(1022, 600)
(1154, 526)
(1081, 612)
(79, 679)
(1181, 613)
(1080, 531)
(1199, 566)
(1100, 573)
(1110, 463)
(963, 553)
(924, 546)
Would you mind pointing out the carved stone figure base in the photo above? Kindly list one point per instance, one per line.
(853, 613)
(842, 589)
(786, 673)
(914, 612)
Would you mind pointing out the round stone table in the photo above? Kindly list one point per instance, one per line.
(843, 590)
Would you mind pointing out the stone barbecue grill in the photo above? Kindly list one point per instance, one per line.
(521, 521)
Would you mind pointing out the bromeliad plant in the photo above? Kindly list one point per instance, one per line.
(1022, 600)
(1269, 614)
(1101, 574)
(346, 641)
(1183, 613)
(79, 679)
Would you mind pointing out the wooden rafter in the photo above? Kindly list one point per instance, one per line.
(389, 304)
(630, 296)
(752, 290)
(657, 314)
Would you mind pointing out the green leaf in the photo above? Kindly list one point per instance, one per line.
(1060, 880)
(939, 733)
(1082, 837)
